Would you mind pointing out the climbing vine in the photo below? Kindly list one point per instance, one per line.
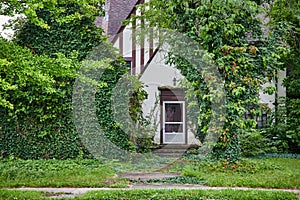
(37, 80)
(246, 54)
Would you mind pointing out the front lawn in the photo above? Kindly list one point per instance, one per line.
(145, 194)
(188, 194)
(58, 173)
(265, 173)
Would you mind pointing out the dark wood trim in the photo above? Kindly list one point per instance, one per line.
(134, 45)
(121, 42)
(152, 52)
(161, 121)
(150, 60)
(130, 60)
(142, 58)
(142, 51)
(127, 58)
(114, 39)
(151, 44)
(172, 94)
(121, 29)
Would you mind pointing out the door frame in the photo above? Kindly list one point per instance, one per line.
(172, 95)
(183, 122)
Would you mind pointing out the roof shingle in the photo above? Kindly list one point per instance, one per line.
(116, 12)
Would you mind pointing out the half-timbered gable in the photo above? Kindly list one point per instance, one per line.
(145, 60)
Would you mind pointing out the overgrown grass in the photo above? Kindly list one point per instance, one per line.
(143, 194)
(70, 173)
(147, 162)
(188, 194)
(58, 173)
(266, 173)
(21, 195)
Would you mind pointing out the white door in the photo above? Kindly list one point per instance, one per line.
(174, 122)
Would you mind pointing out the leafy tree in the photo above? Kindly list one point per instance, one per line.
(32, 124)
(231, 33)
(38, 80)
(287, 13)
(29, 9)
(60, 14)
(286, 129)
(47, 118)
(79, 35)
(30, 95)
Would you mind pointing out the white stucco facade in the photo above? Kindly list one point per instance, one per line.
(280, 90)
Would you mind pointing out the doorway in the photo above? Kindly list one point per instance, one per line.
(173, 116)
(173, 122)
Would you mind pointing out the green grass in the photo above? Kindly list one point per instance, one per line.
(142, 194)
(265, 173)
(20, 195)
(188, 194)
(57, 173)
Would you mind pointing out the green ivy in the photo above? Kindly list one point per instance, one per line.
(231, 34)
(284, 132)
(35, 127)
(30, 9)
(127, 132)
(79, 35)
(37, 86)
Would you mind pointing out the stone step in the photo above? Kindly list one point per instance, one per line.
(172, 150)
(168, 154)
(163, 150)
(175, 146)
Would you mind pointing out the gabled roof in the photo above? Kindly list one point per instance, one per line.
(116, 11)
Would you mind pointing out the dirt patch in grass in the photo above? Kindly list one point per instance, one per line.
(147, 176)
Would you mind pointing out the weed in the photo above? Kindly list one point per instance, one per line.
(268, 173)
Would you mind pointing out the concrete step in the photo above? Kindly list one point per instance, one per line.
(163, 150)
(171, 150)
(175, 146)
(168, 154)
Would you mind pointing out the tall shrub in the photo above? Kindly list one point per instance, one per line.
(34, 126)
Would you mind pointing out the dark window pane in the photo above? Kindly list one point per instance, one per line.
(173, 112)
(173, 128)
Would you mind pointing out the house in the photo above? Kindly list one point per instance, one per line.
(148, 63)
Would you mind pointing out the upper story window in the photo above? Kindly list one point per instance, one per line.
(128, 64)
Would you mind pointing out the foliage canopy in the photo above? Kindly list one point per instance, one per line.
(246, 53)
(29, 8)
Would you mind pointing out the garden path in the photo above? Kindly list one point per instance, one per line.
(142, 176)
(73, 192)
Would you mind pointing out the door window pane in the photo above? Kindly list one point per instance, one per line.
(173, 128)
(174, 138)
(173, 112)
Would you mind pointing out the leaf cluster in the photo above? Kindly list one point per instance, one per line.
(29, 9)
(79, 35)
(246, 54)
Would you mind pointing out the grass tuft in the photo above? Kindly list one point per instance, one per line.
(57, 173)
(173, 194)
(265, 173)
